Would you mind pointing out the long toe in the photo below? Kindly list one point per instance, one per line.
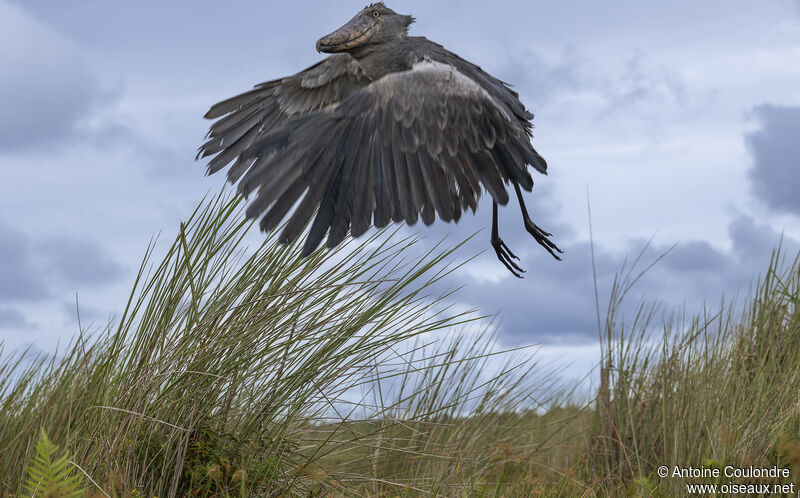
(506, 257)
(541, 237)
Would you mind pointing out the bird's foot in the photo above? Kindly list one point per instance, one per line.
(505, 256)
(542, 238)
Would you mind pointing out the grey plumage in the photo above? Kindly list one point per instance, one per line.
(391, 128)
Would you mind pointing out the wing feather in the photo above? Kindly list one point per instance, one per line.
(247, 118)
(413, 144)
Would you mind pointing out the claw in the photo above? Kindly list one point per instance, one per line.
(505, 256)
(541, 237)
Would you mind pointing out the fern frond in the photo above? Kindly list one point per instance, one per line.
(51, 477)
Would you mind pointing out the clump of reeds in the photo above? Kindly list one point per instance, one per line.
(238, 372)
(719, 389)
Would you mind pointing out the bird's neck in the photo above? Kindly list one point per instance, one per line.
(379, 60)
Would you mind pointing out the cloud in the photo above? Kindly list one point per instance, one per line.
(19, 275)
(79, 262)
(90, 316)
(555, 302)
(642, 87)
(695, 273)
(37, 273)
(12, 319)
(598, 82)
(752, 240)
(541, 75)
(695, 256)
(46, 88)
(33, 270)
(775, 174)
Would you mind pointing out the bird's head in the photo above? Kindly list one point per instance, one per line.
(374, 25)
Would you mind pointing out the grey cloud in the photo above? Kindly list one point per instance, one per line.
(548, 304)
(78, 262)
(695, 256)
(539, 77)
(46, 89)
(752, 240)
(12, 319)
(223, 49)
(19, 275)
(775, 175)
(639, 85)
(32, 270)
(555, 303)
(91, 318)
(695, 272)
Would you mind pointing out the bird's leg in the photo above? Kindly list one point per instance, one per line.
(540, 235)
(504, 254)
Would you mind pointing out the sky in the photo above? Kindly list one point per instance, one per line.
(677, 121)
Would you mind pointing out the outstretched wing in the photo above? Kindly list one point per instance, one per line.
(245, 118)
(412, 144)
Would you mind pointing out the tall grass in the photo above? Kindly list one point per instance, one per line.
(231, 372)
(236, 372)
(722, 388)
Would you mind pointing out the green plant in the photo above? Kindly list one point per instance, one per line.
(239, 371)
(248, 367)
(720, 387)
(50, 476)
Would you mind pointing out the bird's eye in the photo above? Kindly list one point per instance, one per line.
(375, 13)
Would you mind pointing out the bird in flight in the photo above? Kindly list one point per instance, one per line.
(390, 127)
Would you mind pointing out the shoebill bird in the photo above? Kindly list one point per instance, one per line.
(390, 127)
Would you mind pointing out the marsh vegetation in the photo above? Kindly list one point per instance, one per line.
(241, 372)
